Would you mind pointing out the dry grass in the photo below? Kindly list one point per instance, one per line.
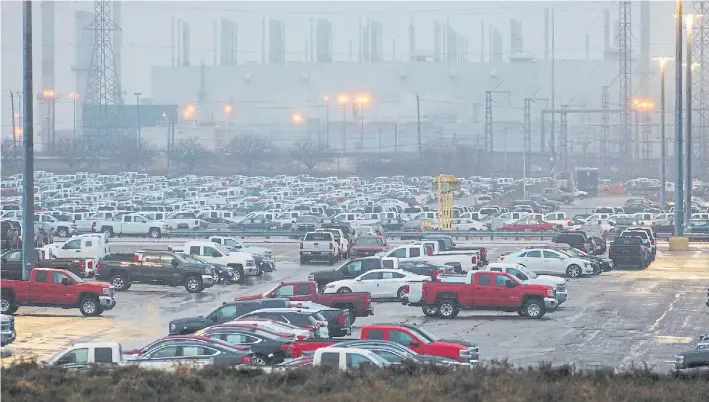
(495, 382)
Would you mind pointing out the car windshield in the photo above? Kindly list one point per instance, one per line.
(425, 336)
(308, 218)
(74, 277)
(524, 270)
(186, 258)
(571, 252)
(220, 248)
(369, 241)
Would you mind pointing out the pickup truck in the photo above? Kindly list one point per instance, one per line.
(365, 246)
(446, 243)
(351, 269)
(411, 336)
(343, 359)
(520, 271)
(7, 330)
(358, 304)
(697, 357)
(132, 225)
(214, 253)
(263, 257)
(428, 251)
(155, 267)
(629, 251)
(319, 246)
(487, 291)
(48, 222)
(90, 245)
(110, 354)
(12, 264)
(49, 287)
(340, 239)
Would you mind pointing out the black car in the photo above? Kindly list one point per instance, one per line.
(268, 347)
(349, 270)
(226, 312)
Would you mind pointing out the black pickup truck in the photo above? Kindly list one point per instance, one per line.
(349, 270)
(629, 251)
(223, 313)
(446, 243)
(12, 264)
(155, 267)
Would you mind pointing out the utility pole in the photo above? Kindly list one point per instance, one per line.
(14, 130)
(396, 138)
(489, 140)
(137, 122)
(327, 122)
(679, 204)
(28, 252)
(688, 124)
(663, 139)
(528, 131)
(418, 125)
(564, 137)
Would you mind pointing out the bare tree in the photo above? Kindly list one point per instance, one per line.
(188, 153)
(73, 153)
(11, 152)
(308, 154)
(249, 149)
(129, 153)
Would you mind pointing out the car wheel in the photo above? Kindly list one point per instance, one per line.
(63, 232)
(193, 284)
(573, 271)
(430, 311)
(344, 290)
(448, 309)
(534, 308)
(90, 307)
(154, 233)
(259, 360)
(400, 293)
(237, 275)
(7, 304)
(119, 282)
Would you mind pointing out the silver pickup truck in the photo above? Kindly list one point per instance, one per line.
(319, 246)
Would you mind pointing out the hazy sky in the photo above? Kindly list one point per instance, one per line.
(147, 32)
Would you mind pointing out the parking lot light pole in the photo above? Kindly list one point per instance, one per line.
(663, 141)
(678, 203)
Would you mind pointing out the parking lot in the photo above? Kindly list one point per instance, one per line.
(616, 319)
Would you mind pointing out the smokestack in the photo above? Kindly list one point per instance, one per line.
(172, 42)
(546, 33)
(48, 70)
(482, 41)
(312, 44)
(85, 42)
(436, 41)
(178, 56)
(186, 56)
(215, 38)
(606, 33)
(412, 40)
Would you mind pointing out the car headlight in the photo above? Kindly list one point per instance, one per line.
(311, 277)
(330, 286)
(173, 326)
(550, 292)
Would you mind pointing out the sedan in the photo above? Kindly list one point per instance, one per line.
(549, 262)
(268, 348)
(278, 326)
(380, 283)
(467, 224)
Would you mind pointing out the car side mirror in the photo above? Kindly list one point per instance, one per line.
(358, 279)
(214, 318)
(414, 344)
(511, 284)
(66, 281)
(175, 262)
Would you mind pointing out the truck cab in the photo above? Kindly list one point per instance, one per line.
(92, 245)
(217, 254)
(344, 359)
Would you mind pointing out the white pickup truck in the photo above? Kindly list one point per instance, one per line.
(428, 251)
(344, 359)
(217, 254)
(319, 246)
(84, 246)
(82, 355)
(235, 245)
(132, 225)
(341, 241)
(89, 223)
(60, 228)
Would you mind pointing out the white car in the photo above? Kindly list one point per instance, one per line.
(549, 262)
(276, 326)
(462, 224)
(380, 283)
(527, 276)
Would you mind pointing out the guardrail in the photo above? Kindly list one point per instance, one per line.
(468, 235)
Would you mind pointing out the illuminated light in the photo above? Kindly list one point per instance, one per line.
(73, 95)
(326, 98)
(18, 132)
(164, 115)
(343, 99)
(296, 118)
(48, 94)
(363, 99)
(190, 108)
(227, 108)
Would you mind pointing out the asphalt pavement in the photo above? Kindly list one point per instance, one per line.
(616, 319)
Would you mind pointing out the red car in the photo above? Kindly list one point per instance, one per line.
(365, 246)
(528, 224)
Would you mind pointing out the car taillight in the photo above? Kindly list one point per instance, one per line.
(93, 224)
(322, 324)
(610, 249)
(301, 245)
(98, 267)
(367, 299)
(474, 260)
(652, 241)
(332, 246)
(568, 223)
(90, 264)
(196, 222)
(483, 252)
(406, 288)
(169, 248)
(502, 258)
(246, 359)
(81, 265)
(301, 337)
(136, 258)
(341, 319)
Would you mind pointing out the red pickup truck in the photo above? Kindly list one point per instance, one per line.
(358, 303)
(411, 336)
(48, 287)
(488, 291)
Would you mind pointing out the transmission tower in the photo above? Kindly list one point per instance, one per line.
(700, 83)
(103, 104)
(625, 56)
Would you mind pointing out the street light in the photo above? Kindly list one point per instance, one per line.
(74, 96)
(678, 227)
(689, 23)
(50, 96)
(344, 100)
(362, 100)
(327, 121)
(296, 118)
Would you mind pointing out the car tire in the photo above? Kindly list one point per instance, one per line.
(7, 304)
(344, 290)
(429, 311)
(120, 282)
(303, 261)
(259, 360)
(154, 233)
(194, 284)
(63, 233)
(400, 294)
(522, 313)
(448, 309)
(534, 308)
(573, 271)
(90, 306)
(238, 274)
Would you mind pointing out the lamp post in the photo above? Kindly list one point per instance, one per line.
(689, 22)
(327, 122)
(361, 100)
(679, 227)
(663, 145)
(228, 109)
(344, 100)
(50, 96)
(74, 96)
(137, 122)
